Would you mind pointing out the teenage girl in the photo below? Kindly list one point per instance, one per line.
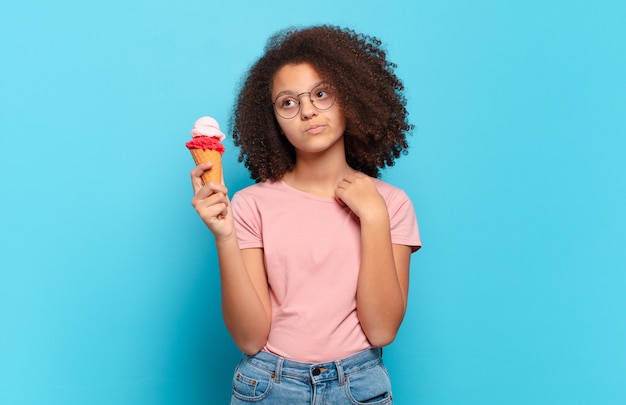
(314, 257)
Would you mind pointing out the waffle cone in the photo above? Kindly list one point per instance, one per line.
(207, 155)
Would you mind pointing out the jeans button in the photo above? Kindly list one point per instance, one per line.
(316, 371)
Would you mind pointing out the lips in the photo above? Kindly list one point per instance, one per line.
(314, 129)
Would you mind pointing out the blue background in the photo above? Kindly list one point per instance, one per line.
(109, 291)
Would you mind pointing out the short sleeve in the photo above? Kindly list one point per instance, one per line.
(403, 221)
(247, 222)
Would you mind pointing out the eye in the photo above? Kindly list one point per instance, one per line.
(321, 94)
(324, 92)
(287, 103)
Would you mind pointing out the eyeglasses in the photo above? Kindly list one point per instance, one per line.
(322, 96)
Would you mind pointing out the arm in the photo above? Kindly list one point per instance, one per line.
(382, 288)
(245, 295)
(383, 281)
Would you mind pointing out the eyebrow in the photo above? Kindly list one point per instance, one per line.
(294, 93)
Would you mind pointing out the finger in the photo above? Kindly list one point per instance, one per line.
(218, 188)
(196, 175)
(350, 177)
(210, 206)
(224, 212)
(212, 189)
(218, 197)
(196, 184)
(214, 212)
(201, 168)
(343, 184)
(340, 194)
(218, 205)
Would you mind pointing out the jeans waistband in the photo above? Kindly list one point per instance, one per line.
(281, 367)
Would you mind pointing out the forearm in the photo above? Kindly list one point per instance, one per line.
(381, 302)
(246, 314)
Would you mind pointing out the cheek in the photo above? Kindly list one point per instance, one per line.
(339, 115)
(341, 121)
(283, 126)
(287, 130)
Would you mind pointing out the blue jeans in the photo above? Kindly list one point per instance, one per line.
(269, 379)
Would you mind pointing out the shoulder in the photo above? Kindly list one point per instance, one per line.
(390, 192)
(262, 196)
(404, 228)
(258, 190)
(397, 200)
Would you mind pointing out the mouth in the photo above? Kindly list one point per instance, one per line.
(314, 129)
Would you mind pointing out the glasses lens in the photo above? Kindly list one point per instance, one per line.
(323, 97)
(287, 106)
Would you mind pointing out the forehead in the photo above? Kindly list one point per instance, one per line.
(295, 78)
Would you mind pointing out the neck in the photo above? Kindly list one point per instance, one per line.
(318, 175)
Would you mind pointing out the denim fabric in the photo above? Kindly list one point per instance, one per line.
(269, 379)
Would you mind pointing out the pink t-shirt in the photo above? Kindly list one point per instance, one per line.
(312, 251)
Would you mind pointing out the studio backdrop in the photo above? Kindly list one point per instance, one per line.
(109, 287)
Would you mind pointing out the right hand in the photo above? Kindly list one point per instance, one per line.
(212, 204)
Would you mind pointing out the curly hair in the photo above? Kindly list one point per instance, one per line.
(369, 92)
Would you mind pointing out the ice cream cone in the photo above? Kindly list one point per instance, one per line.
(207, 155)
(206, 146)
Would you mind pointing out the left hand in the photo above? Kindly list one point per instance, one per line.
(358, 192)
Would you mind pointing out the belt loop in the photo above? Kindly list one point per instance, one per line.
(279, 370)
(340, 376)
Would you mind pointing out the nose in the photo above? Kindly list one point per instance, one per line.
(307, 109)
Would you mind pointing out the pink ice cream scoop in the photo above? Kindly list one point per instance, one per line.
(206, 146)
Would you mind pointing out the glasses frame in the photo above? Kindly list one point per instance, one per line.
(297, 97)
